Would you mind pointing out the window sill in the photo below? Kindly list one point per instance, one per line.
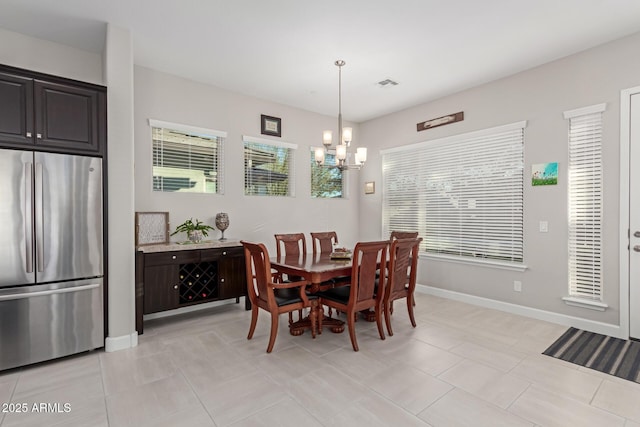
(585, 303)
(475, 261)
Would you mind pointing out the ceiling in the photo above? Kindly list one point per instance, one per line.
(284, 50)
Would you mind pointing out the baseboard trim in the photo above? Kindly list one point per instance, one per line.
(123, 342)
(191, 308)
(548, 316)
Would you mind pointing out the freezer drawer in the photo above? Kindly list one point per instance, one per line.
(43, 322)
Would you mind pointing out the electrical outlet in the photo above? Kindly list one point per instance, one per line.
(544, 226)
(517, 286)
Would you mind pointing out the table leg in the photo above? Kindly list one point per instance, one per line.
(336, 325)
(309, 322)
(316, 321)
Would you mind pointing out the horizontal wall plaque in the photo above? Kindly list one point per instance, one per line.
(444, 120)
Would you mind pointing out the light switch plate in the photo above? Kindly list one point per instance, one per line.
(544, 226)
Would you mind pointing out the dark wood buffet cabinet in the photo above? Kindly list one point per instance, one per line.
(180, 276)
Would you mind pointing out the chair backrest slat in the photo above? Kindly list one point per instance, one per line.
(403, 261)
(323, 241)
(366, 256)
(293, 244)
(403, 235)
(258, 270)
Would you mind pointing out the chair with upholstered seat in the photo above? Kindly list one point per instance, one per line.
(263, 294)
(290, 245)
(323, 242)
(401, 282)
(359, 294)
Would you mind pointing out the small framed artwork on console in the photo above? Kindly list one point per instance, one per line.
(152, 228)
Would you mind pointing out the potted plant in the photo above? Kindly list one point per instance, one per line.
(195, 230)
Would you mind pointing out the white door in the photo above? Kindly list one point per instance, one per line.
(634, 217)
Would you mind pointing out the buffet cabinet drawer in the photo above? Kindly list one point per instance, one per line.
(216, 254)
(174, 257)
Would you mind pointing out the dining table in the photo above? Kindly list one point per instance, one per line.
(318, 270)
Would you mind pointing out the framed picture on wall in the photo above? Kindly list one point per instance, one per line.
(369, 187)
(152, 228)
(544, 174)
(270, 125)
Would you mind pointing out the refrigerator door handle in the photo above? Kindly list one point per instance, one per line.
(28, 215)
(49, 292)
(39, 200)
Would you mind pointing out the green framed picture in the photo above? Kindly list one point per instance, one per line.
(544, 174)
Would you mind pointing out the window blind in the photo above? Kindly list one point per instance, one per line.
(585, 202)
(187, 158)
(463, 194)
(268, 167)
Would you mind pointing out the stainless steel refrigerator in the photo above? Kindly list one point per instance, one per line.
(51, 256)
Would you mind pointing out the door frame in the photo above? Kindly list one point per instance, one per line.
(625, 195)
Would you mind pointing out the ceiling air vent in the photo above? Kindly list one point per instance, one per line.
(387, 83)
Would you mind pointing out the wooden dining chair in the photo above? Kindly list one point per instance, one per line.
(290, 245)
(293, 244)
(323, 242)
(401, 283)
(403, 235)
(359, 294)
(263, 293)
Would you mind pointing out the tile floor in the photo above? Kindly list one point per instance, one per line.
(462, 366)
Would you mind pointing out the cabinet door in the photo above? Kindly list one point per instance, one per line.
(68, 117)
(161, 288)
(16, 109)
(232, 274)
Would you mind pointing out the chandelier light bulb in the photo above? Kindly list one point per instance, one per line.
(361, 155)
(347, 134)
(327, 137)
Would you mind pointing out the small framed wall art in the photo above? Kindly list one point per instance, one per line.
(369, 187)
(270, 125)
(152, 228)
(544, 174)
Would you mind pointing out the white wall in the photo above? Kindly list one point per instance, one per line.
(539, 96)
(119, 78)
(257, 218)
(18, 50)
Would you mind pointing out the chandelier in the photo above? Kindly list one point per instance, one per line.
(343, 156)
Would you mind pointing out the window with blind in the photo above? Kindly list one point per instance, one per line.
(268, 167)
(585, 202)
(326, 182)
(463, 194)
(187, 158)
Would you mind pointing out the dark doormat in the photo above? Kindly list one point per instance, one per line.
(612, 356)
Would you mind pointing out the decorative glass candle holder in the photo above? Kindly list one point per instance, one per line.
(222, 223)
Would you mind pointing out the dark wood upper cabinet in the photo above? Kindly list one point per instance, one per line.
(16, 109)
(52, 114)
(66, 117)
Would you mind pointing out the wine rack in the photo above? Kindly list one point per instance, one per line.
(198, 282)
